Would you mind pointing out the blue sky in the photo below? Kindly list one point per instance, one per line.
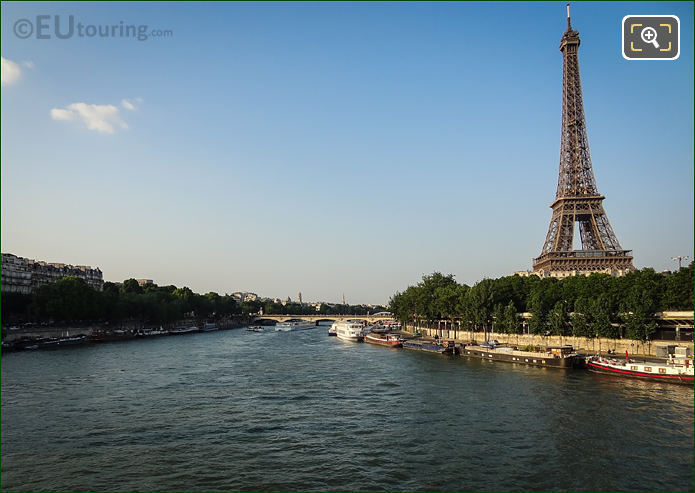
(331, 148)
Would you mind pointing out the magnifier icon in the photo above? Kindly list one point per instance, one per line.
(648, 35)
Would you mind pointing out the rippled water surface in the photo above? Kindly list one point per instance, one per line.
(239, 410)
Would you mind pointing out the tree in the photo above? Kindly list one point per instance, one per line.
(537, 322)
(131, 286)
(68, 299)
(557, 319)
(510, 319)
(639, 325)
(479, 301)
(498, 317)
(678, 293)
(432, 286)
(580, 319)
(600, 323)
(445, 298)
(640, 301)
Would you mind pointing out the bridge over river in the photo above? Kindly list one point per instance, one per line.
(381, 316)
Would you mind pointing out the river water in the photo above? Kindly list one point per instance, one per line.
(239, 410)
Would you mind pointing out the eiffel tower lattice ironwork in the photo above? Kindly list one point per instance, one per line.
(577, 199)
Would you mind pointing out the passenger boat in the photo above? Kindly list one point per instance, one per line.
(445, 347)
(254, 328)
(551, 356)
(294, 325)
(53, 342)
(389, 340)
(332, 331)
(208, 327)
(349, 331)
(675, 370)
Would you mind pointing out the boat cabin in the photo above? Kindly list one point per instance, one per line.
(560, 351)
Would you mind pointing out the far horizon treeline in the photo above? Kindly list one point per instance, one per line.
(598, 305)
(72, 300)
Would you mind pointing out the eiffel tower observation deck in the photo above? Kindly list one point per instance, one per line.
(577, 199)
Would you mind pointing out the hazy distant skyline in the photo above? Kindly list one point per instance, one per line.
(331, 148)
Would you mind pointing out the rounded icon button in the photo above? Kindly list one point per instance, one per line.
(23, 28)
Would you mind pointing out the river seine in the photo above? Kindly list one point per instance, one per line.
(238, 410)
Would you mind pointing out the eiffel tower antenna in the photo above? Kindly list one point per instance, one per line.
(577, 199)
(569, 26)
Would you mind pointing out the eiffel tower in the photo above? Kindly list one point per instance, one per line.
(577, 199)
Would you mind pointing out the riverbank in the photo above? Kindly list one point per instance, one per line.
(582, 344)
(40, 336)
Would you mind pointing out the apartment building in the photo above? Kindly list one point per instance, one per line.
(22, 275)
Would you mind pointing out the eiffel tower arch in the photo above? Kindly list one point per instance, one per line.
(577, 199)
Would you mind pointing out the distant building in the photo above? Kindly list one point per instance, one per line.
(22, 275)
(300, 297)
(144, 282)
(16, 275)
(242, 296)
(570, 273)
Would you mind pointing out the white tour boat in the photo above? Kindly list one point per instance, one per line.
(349, 331)
(294, 325)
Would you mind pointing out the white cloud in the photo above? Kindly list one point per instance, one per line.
(28, 64)
(127, 105)
(100, 117)
(58, 114)
(10, 72)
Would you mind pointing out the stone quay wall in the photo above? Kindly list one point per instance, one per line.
(583, 344)
(39, 332)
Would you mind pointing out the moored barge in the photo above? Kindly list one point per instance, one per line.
(388, 340)
(674, 370)
(550, 356)
(445, 347)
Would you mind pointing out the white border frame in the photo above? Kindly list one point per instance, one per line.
(622, 37)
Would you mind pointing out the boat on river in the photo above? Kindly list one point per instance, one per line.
(151, 332)
(294, 325)
(388, 340)
(443, 347)
(209, 327)
(349, 331)
(53, 342)
(108, 335)
(254, 328)
(551, 356)
(184, 330)
(674, 370)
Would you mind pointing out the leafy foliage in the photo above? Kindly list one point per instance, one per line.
(71, 299)
(591, 306)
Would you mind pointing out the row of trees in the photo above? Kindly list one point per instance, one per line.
(71, 299)
(598, 305)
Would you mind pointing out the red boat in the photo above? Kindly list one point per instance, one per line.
(675, 370)
(389, 340)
